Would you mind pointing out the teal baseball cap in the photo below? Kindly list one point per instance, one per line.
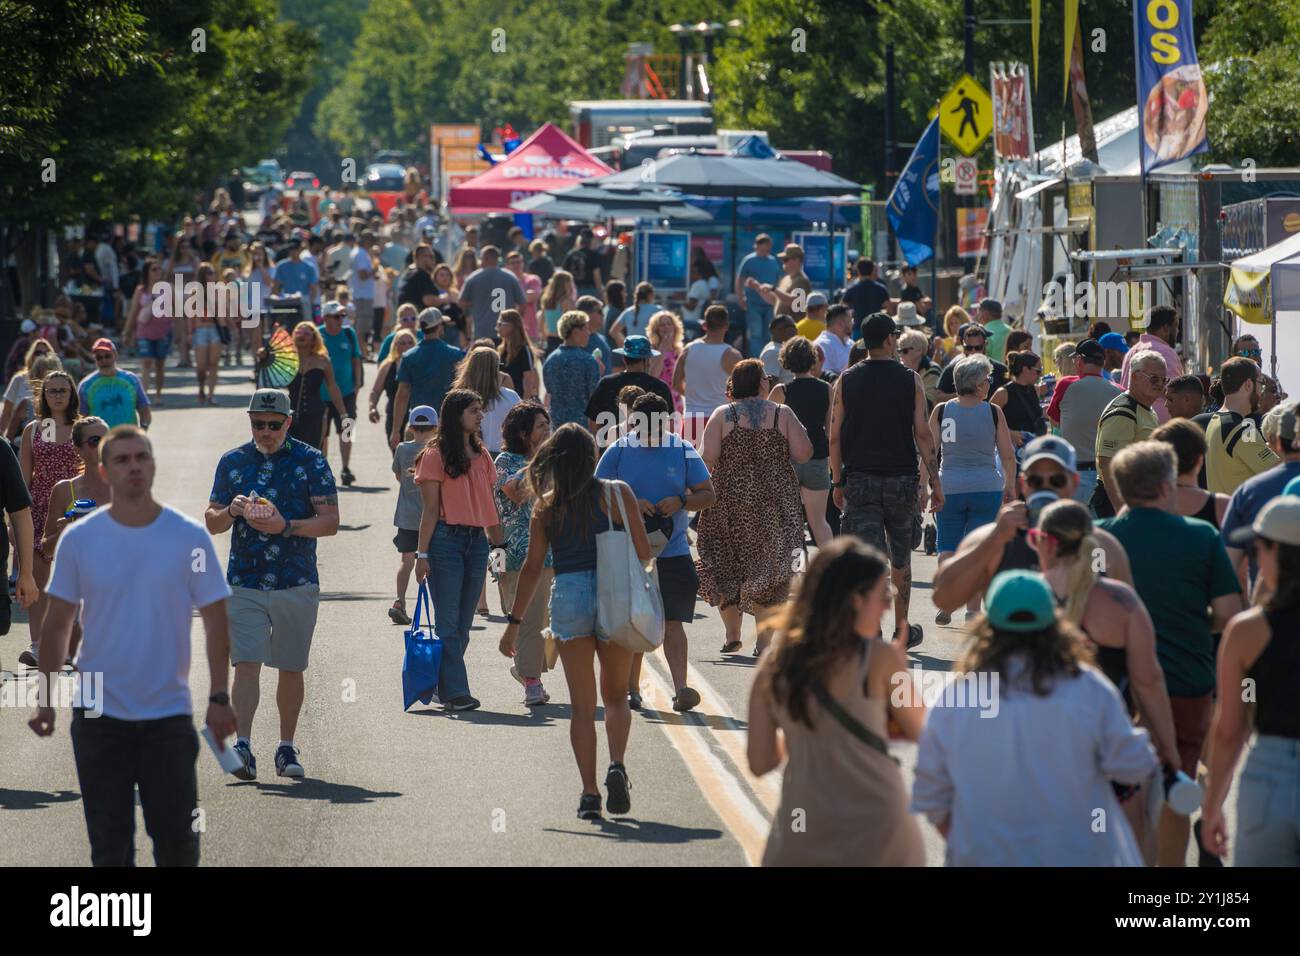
(1292, 486)
(1020, 601)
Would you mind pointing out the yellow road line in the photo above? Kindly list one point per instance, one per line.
(724, 793)
(731, 737)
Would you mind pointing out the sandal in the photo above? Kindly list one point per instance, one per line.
(731, 647)
(397, 614)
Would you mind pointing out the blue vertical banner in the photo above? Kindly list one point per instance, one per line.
(665, 260)
(913, 207)
(1172, 99)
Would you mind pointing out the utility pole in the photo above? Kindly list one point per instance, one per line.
(970, 37)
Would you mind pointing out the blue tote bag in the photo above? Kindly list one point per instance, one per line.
(423, 654)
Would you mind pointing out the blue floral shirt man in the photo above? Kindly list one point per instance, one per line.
(290, 478)
(571, 376)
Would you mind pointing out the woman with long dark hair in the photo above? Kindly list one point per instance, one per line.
(458, 517)
(47, 457)
(1260, 650)
(517, 352)
(635, 319)
(1021, 774)
(572, 507)
(828, 686)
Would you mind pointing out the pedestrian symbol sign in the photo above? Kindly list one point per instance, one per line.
(966, 114)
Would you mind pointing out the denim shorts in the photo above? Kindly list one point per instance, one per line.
(204, 336)
(573, 606)
(157, 349)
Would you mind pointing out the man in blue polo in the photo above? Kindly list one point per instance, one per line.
(278, 495)
(764, 267)
(425, 373)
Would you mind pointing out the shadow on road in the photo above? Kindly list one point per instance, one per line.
(712, 721)
(931, 663)
(352, 595)
(324, 790)
(364, 489)
(34, 799)
(632, 830)
(353, 527)
(537, 717)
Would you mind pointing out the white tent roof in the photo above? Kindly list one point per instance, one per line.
(1282, 263)
(1117, 148)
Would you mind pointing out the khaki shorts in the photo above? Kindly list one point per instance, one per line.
(273, 627)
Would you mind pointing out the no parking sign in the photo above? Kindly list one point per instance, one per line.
(965, 172)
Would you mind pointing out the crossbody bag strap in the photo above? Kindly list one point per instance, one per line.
(851, 723)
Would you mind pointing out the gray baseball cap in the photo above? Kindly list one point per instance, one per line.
(270, 400)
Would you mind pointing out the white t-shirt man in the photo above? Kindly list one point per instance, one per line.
(337, 260)
(138, 588)
(836, 351)
(360, 262)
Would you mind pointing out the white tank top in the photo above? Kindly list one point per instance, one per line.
(706, 382)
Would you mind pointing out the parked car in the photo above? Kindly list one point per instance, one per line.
(302, 180)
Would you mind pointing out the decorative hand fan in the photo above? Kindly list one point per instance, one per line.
(278, 367)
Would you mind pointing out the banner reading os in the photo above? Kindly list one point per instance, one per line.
(1172, 99)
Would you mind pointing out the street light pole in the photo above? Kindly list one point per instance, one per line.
(970, 38)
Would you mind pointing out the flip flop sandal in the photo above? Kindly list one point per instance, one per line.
(731, 647)
(398, 615)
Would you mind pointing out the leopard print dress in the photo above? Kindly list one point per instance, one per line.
(751, 542)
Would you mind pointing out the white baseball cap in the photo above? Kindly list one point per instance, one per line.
(332, 308)
(28, 326)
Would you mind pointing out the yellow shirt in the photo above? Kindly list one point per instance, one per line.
(1124, 421)
(810, 328)
(1234, 451)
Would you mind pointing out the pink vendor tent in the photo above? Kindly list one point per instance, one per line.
(546, 160)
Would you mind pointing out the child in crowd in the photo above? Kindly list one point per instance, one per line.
(421, 424)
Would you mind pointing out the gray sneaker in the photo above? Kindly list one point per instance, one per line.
(535, 695)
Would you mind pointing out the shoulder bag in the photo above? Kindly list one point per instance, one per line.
(629, 609)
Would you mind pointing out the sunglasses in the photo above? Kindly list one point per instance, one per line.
(93, 440)
(1038, 482)
(56, 391)
(1156, 379)
(1250, 353)
(259, 424)
(973, 346)
(904, 351)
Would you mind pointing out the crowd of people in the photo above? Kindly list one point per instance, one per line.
(1120, 538)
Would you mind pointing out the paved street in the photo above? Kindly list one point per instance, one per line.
(494, 786)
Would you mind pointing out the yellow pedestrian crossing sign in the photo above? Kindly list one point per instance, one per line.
(966, 114)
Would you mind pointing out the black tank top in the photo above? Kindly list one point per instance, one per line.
(879, 401)
(809, 399)
(1023, 411)
(1018, 555)
(1111, 661)
(1277, 677)
(1209, 512)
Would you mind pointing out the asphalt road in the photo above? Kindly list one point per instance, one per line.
(494, 786)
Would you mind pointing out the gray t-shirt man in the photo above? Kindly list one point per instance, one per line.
(487, 292)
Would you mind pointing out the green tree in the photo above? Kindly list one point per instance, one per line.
(1253, 74)
(205, 86)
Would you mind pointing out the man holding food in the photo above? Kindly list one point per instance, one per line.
(279, 496)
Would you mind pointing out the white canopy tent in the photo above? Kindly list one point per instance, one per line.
(1264, 289)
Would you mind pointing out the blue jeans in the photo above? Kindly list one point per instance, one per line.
(458, 556)
(962, 513)
(1268, 804)
(1087, 482)
(758, 319)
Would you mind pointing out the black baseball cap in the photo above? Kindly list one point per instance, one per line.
(877, 327)
(1091, 351)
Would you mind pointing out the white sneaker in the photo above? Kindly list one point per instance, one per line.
(535, 694)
